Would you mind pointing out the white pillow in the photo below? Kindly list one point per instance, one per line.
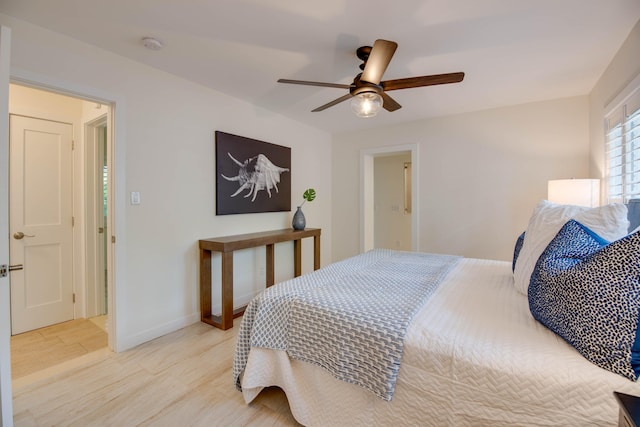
(610, 222)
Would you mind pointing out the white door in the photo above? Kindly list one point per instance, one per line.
(6, 403)
(40, 222)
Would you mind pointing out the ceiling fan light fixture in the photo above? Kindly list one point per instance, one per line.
(366, 104)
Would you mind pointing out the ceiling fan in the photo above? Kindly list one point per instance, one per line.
(368, 92)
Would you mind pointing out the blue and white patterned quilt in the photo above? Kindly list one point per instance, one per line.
(350, 317)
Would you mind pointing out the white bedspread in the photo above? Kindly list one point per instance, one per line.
(473, 356)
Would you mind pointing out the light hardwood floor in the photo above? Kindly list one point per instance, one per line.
(47, 347)
(181, 379)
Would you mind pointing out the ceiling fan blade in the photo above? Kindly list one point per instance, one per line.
(306, 83)
(378, 60)
(332, 103)
(436, 79)
(389, 104)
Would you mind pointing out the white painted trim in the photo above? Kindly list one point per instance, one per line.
(158, 331)
(117, 257)
(6, 394)
(93, 306)
(631, 88)
(366, 193)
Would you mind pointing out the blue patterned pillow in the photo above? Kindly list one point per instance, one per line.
(516, 250)
(588, 292)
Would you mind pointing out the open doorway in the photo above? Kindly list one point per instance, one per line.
(86, 194)
(392, 201)
(407, 204)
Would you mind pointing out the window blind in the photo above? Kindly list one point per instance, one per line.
(622, 126)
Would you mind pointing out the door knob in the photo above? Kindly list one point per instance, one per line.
(19, 235)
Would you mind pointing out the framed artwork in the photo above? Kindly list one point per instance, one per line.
(251, 175)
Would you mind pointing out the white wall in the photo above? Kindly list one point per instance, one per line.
(165, 149)
(481, 174)
(624, 67)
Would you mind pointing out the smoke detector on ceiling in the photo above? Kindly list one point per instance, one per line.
(152, 43)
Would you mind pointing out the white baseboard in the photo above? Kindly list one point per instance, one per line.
(157, 331)
(166, 328)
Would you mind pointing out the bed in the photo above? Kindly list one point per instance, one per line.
(473, 354)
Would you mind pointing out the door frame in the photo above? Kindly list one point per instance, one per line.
(116, 256)
(367, 229)
(94, 157)
(6, 393)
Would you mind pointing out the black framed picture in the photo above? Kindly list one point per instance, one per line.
(251, 175)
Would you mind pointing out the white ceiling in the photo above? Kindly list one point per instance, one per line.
(512, 51)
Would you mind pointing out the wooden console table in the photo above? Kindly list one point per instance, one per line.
(226, 245)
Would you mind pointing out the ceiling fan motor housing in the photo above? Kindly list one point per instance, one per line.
(363, 53)
(360, 86)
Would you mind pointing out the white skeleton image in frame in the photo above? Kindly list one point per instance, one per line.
(255, 174)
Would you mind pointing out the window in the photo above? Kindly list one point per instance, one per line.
(622, 127)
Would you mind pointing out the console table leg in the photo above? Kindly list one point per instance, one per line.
(297, 257)
(316, 252)
(270, 269)
(205, 284)
(227, 290)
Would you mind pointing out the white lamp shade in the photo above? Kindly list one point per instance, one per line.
(578, 192)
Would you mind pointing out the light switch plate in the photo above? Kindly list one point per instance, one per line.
(135, 197)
